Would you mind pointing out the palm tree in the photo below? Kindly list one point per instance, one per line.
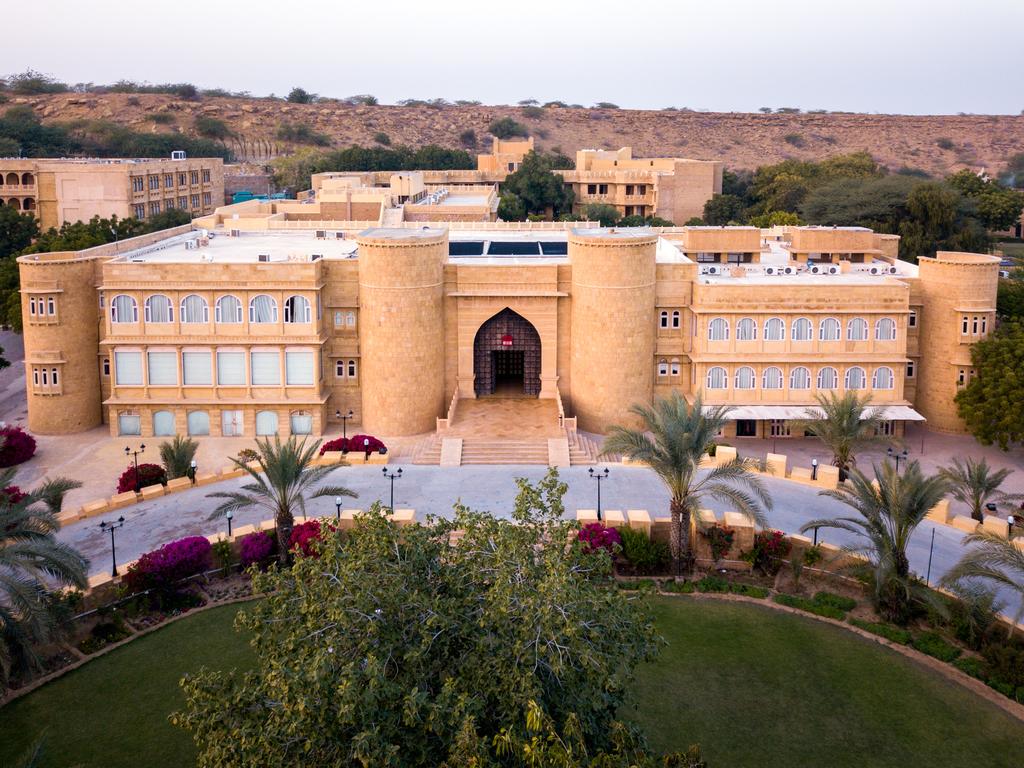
(676, 436)
(279, 485)
(177, 455)
(995, 559)
(975, 484)
(889, 509)
(845, 424)
(33, 567)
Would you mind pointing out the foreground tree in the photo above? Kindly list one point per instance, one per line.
(990, 403)
(540, 190)
(675, 437)
(285, 475)
(994, 559)
(975, 484)
(34, 566)
(408, 646)
(845, 424)
(888, 512)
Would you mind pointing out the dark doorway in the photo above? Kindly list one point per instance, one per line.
(506, 357)
(746, 428)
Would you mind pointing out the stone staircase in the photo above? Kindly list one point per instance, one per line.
(478, 450)
(582, 449)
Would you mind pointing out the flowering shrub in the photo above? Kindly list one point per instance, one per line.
(356, 443)
(247, 454)
(304, 535)
(12, 494)
(16, 446)
(595, 536)
(720, 538)
(162, 568)
(149, 474)
(256, 547)
(338, 444)
(769, 550)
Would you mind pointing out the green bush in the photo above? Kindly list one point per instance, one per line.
(162, 118)
(507, 128)
(212, 128)
(299, 133)
(533, 112)
(933, 644)
(382, 138)
(713, 584)
(749, 590)
(1006, 661)
(643, 553)
(812, 556)
(810, 606)
(679, 587)
(836, 601)
(971, 666)
(998, 685)
(888, 631)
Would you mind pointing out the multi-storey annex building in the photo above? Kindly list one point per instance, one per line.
(254, 323)
(70, 189)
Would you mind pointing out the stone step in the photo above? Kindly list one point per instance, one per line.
(504, 451)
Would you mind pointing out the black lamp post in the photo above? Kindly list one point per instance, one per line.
(344, 421)
(135, 457)
(1010, 521)
(230, 516)
(599, 476)
(105, 526)
(392, 476)
(192, 467)
(814, 469)
(897, 455)
(366, 447)
(337, 504)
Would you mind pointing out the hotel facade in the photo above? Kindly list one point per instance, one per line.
(252, 323)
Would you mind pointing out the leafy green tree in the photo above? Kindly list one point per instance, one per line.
(511, 207)
(783, 186)
(974, 483)
(994, 559)
(775, 219)
(674, 439)
(608, 215)
(176, 455)
(31, 83)
(16, 230)
(9, 147)
(694, 221)
(845, 424)
(507, 128)
(541, 190)
(301, 96)
(1010, 299)
(34, 566)
(990, 404)
(211, 127)
(723, 209)
(401, 647)
(888, 512)
(997, 207)
(280, 483)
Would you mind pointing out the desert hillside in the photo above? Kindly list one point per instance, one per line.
(936, 144)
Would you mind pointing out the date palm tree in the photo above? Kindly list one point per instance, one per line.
(995, 559)
(889, 508)
(176, 455)
(975, 484)
(34, 566)
(846, 424)
(675, 437)
(280, 484)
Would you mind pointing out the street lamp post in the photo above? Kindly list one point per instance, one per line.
(599, 476)
(135, 457)
(192, 467)
(897, 455)
(337, 504)
(344, 421)
(392, 476)
(814, 469)
(105, 526)
(1010, 522)
(230, 516)
(366, 448)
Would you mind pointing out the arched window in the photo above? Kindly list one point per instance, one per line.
(857, 329)
(302, 423)
(883, 378)
(855, 378)
(772, 378)
(802, 329)
(296, 310)
(159, 309)
(718, 329)
(129, 423)
(828, 378)
(775, 329)
(163, 423)
(800, 378)
(718, 378)
(194, 309)
(262, 309)
(663, 367)
(664, 318)
(885, 329)
(746, 330)
(229, 310)
(830, 330)
(123, 309)
(266, 423)
(198, 423)
(675, 318)
(674, 369)
(745, 378)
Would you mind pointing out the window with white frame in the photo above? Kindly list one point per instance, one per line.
(299, 367)
(745, 377)
(911, 370)
(129, 423)
(127, 367)
(297, 310)
(984, 323)
(262, 309)
(857, 329)
(885, 329)
(673, 368)
(339, 369)
(265, 367)
(230, 367)
(339, 319)
(775, 329)
(964, 325)
(718, 378)
(124, 309)
(855, 378)
(163, 367)
(106, 366)
(228, 309)
(163, 423)
(718, 329)
(352, 369)
(799, 378)
(912, 319)
(194, 309)
(771, 378)
(802, 329)
(746, 329)
(301, 423)
(830, 330)
(664, 318)
(828, 378)
(198, 423)
(675, 318)
(663, 367)
(883, 378)
(266, 423)
(197, 367)
(158, 309)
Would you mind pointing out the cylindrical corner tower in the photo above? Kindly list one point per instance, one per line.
(59, 311)
(613, 297)
(401, 329)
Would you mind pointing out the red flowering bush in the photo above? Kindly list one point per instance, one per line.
(12, 494)
(256, 547)
(162, 568)
(149, 474)
(338, 444)
(358, 443)
(305, 534)
(595, 536)
(770, 549)
(16, 446)
(720, 538)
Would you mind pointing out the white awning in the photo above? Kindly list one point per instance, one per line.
(795, 412)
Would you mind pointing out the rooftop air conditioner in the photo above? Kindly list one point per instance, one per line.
(178, 154)
(191, 245)
(815, 270)
(263, 257)
(770, 271)
(789, 270)
(236, 233)
(874, 270)
(892, 270)
(712, 270)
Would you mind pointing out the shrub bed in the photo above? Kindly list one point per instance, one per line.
(305, 537)
(596, 536)
(933, 644)
(803, 604)
(256, 548)
(16, 446)
(162, 568)
(149, 474)
(836, 601)
(356, 444)
(644, 555)
(889, 632)
(770, 550)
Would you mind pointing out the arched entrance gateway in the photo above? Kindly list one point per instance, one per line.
(506, 357)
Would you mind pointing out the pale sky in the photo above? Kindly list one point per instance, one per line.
(906, 56)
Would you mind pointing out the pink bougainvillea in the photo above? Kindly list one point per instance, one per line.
(149, 474)
(256, 547)
(16, 446)
(162, 568)
(596, 536)
(303, 537)
(12, 494)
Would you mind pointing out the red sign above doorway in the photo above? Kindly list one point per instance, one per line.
(506, 340)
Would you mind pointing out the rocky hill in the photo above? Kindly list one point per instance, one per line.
(937, 144)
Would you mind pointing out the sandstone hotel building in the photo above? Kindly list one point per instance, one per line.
(253, 322)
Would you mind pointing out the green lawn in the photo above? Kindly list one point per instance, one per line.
(755, 687)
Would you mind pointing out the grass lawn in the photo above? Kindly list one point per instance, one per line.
(753, 686)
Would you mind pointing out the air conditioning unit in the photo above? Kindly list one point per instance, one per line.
(236, 233)
(770, 271)
(874, 270)
(815, 270)
(263, 257)
(833, 270)
(789, 270)
(712, 270)
(892, 270)
(191, 245)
